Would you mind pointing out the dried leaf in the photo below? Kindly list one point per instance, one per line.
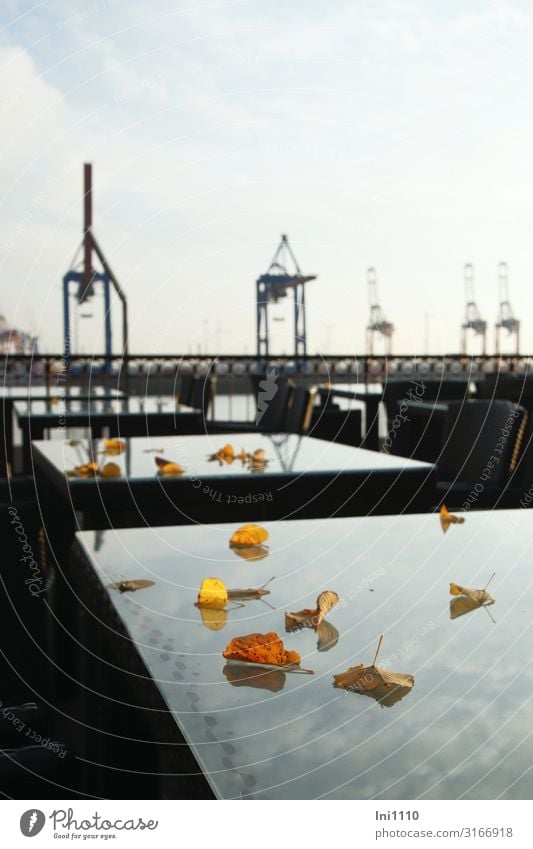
(261, 648)
(250, 593)
(226, 454)
(305, 618)
(131, 586)
(88, 470)
(114, 446)
(461, 605)
(251, 552)
(372, 679)
(479, 597)
(308, 618)
(110, 470)
(160, 462)
(325, 602)
(213, 593)
(249, 676)
(447, 519)
(248, 535)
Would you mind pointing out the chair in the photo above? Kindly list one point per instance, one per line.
(186, 388)
(201, 396)
(481, 449)
(272, 404)
(299, 410)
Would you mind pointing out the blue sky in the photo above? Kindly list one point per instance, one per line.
(392, 134)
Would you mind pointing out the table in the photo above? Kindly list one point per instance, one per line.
(131, 416)
(304, 478)
(9, 395)
(462, 732)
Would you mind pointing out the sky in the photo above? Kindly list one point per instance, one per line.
(396, 135)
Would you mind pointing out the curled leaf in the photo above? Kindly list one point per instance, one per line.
(248, 535)
(114, 446)
(131, 586)
(213, 593)
(249, 676)
(447, 519)
(261, 648)
(325, 602)
(479, 597)
(226, 454)
(373, 680)
(308, 618)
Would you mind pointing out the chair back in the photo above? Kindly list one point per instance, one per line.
(272, 400)
(186, 388)
(299, 410)
(482, 441)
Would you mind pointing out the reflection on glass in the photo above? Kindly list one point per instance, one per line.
(246, 676)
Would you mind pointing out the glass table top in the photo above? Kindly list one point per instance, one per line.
(464, 730)
(285, 453)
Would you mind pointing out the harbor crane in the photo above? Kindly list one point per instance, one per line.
(506, 319)
(377, 324)
(273, 287)
(473, 320)
(85, 277)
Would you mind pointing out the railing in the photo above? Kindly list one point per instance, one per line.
(52, 369)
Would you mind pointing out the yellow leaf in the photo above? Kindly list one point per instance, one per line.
(111, 470)
(170, 469)
(213, 593)
(114, 446)
(447, 519)
(249, 535)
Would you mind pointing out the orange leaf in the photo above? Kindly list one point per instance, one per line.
(249, 535)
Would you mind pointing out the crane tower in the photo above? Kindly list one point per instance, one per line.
(275, 285)
(473, 320)
(506, 319)
(377, 324)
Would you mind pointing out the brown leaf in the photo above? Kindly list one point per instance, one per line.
(261, 648)
(372, 679)
(308, 618)
(361, 679)
(131, 586)
(250, 593)
(325, 602)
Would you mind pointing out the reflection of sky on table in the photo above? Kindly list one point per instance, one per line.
(285, 452)
(463, 730)
(110, 404)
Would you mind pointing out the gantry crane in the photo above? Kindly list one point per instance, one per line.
(506, 319)
(377, 323)
(473, 320)
(85, 277)
(275, 285)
